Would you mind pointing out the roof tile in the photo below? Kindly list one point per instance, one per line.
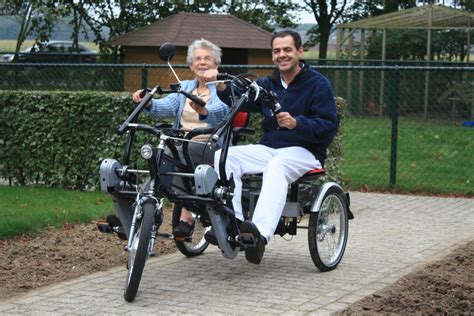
(181, 29)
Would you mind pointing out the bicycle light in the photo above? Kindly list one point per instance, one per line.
(146, 151)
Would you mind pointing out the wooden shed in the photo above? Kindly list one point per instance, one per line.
(242, 44)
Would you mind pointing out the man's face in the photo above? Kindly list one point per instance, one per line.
(284, 53)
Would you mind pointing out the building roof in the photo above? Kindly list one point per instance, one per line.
(423, 17)
(181, 29)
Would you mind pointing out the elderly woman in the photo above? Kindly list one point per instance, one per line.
(203, 58)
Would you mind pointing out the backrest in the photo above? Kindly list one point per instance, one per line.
(241, 119)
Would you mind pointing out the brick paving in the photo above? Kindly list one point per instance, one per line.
(390, 236)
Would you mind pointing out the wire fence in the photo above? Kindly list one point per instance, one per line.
(409, 126)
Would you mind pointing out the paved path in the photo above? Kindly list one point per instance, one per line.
(390, 236)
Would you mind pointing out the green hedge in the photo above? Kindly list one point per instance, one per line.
(59, 138)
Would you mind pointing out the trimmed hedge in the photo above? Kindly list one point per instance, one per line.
(59, 139)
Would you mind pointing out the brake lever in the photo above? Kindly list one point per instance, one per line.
(256, 88)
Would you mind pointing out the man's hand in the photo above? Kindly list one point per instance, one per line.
(284, 119)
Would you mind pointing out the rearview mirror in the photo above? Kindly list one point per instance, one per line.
(166, 51)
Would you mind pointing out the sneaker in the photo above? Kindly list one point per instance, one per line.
(253, 252)
(183, 229)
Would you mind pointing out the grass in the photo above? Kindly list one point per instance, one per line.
(29, 209)
(433, 157)
(9, 45)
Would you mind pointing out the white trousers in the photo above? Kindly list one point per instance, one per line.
(280, 167)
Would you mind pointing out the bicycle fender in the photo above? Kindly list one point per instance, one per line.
(219, 222)
(322, 191)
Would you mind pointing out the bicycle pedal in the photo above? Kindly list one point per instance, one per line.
(104, 228)
(247, 239)
(186, 239)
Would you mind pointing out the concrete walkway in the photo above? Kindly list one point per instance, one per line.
(390, 236)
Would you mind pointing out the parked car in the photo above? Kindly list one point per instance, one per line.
(53, 52)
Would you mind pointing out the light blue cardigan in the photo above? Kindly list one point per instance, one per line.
(173, 105)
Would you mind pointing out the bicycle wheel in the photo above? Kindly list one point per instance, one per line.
(328, 230)
(138, 252)
(198, 244)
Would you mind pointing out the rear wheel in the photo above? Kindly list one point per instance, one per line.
(138, 252)
(328, 230)
(198, 244)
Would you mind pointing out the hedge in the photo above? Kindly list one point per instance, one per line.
(58, 139)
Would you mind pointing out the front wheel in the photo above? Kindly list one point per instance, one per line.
(138, 252)
(198, 244)
(328, 230)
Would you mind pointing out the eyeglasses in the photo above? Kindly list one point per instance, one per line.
(205, 58)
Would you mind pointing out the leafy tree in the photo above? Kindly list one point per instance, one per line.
(326, 16)
(264, 15)
(36, 18)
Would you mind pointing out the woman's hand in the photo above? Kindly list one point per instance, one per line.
(199, 109)
(209, 75)
(136, 96)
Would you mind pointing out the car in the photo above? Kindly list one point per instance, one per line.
(53, 52)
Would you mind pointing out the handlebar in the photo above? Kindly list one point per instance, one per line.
(193, 98)
(244, 83)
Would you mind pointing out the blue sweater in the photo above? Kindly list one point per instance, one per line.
(309, 99)
(172, 105)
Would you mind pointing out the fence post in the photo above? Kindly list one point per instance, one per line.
(394, 104)
(144, 76)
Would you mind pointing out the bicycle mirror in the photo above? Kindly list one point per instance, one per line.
(167, 51)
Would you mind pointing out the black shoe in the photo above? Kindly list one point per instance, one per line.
(116, 226)
(210, 237)
(254, 241)
(183, 229)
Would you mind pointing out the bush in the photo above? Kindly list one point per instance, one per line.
(58, 139)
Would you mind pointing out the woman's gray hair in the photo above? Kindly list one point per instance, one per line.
(204, 44)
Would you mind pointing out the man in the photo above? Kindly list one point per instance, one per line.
(294, 141)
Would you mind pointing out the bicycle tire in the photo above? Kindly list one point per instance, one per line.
(138, 253)
(328, 230)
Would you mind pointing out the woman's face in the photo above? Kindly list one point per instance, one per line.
(202, 61)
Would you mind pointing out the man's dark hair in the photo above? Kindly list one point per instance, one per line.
(296, 37)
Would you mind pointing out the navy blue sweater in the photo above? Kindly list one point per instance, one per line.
(309, 99)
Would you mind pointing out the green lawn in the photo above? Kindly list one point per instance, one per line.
(9, 45)
(433, 157)
(29, 209)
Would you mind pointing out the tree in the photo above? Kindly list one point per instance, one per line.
(36, 18)
(326, 16)
(264, 15)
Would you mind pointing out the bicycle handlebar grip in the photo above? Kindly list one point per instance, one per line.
(194, 98)
(223, 76)
(144, 92)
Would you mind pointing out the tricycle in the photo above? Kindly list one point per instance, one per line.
(139, 204)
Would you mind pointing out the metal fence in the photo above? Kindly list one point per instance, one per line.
(409, 126)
